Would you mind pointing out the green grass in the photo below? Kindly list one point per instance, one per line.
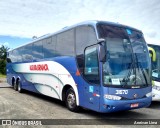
(2, 76)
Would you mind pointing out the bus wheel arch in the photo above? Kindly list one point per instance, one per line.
(13, 81)
(65, 88)
(69, 95)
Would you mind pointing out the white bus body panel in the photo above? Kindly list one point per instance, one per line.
(155, 92)
(48, 82)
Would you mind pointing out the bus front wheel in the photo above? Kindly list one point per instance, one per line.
(71, 100)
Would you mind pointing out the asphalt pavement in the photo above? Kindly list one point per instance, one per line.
(28, 105)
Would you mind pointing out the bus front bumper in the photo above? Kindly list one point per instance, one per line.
(122, 105)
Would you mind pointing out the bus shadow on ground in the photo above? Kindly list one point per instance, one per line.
(130, 114)
(45, 98)
(90, 117)
(4, 85)
(155, 105)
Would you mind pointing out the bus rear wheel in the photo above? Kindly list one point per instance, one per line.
(15, 86)
(71, 100)
(19, 87)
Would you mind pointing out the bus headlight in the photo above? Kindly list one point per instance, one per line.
(149, 94)
(112, 97)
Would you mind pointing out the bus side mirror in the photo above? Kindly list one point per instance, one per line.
(152, 54)
(102, 53)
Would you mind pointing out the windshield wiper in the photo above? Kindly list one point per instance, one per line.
(132, 68)
(141, 69)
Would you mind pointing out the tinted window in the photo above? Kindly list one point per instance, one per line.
(49, 47)
(37, 50)
(18, 54)
(85, 36)
(105, 30)
(27, 53)
(12, 56)
(65, 43)
(91, 72)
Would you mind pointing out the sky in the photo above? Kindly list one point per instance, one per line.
(20, 20)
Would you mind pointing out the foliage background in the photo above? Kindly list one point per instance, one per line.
(3, 56)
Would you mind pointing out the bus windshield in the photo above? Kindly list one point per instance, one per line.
(128, 63)
(155, 62)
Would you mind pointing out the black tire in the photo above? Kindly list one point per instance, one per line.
(19, 88)
(15, 86)
(71, 100)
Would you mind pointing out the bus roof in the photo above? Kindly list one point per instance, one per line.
(90, 22)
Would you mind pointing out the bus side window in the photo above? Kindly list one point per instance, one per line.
(49, 47)
(37, 50)
(12, 56)
(85, 36)
(27, 53)
(18, 54)
(65, 43)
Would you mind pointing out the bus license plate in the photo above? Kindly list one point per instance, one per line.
(134, 105)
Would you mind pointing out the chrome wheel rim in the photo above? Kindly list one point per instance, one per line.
(19, 87)
(71, 100)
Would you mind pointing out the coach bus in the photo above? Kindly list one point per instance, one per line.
(98, 65)
(154, 51)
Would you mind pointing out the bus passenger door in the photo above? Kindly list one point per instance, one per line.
(92, 79)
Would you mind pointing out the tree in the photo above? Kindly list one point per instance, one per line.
(3, 56)
(2, 67)
(3, 52)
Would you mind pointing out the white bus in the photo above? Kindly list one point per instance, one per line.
(154, 51)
